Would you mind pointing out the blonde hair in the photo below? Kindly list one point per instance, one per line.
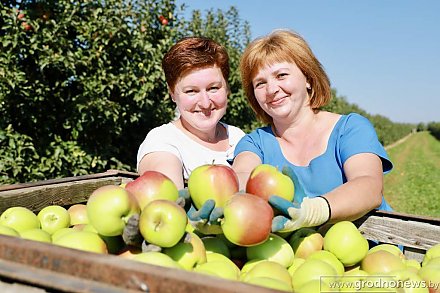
(283, 46)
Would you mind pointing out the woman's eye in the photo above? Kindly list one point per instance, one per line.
(213, 89)
(189, 92)
(282, 74)
(258, 84)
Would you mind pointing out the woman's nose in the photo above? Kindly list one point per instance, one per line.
(204, 100)
(272, 87)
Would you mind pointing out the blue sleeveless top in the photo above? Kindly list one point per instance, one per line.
(352, 134)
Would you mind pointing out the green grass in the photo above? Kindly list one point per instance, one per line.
(413, 186)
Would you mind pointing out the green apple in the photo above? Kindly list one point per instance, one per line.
(329, 258)
(275, 248)
(344, 240)
(188, 253)
(266, 180)
(430, 273)
(313, 269)
(150, 186)
(163, 222)
(5, 230)
(269, 269)
(304, 241)
(413, 265)
(388, 247)
(315, 285)
(351, 280)
(212, 181)
(297, 261)
(78, 214)
(248, 265)
(218, 265)
(156, 258)
(82, 240)
(36, 235)
(432, 252)
(247, 219)
(271, 283)
(382, 262)
(109, 207)
(408, 282)
(216, 244)
(58, 234)
(20, 219)
(53, 218)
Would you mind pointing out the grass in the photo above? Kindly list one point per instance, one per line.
(413, 186)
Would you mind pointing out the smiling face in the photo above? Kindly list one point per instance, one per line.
(201, 97)
(281, 90)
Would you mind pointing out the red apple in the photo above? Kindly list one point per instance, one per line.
(152, 185)
(78, 214)
(247, 219)
(266, 180)
(217, 182)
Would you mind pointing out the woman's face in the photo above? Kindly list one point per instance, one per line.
(201, 97)
(280, 90)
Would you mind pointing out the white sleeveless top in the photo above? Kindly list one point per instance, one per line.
(169, 138)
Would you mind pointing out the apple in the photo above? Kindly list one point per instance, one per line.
(248, 265)
(430, 273)
(275, 248)
(329, 258)
(156, 258)
(315, 285)
(53, 218)
(408, 282)
(78, 214)
(413, 265)
(216, 244)
(20, 219)
(381, 262)
(212, 181)
(82, 240)
(388, 247)
(313, 269)
(36, 234)
(247, 219)
(266, 180)
(63, 231)
(163, 222)
(5, 230)
(271, 283)
(269, 269)
(109, 207)
(129, 251)
(345, 241)
(188, 253)
(220, 266)
(351, 280)
(152, 185)
(305, 240)
(432, 252)
(295, 264)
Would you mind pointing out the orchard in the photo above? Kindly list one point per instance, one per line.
(147, 220)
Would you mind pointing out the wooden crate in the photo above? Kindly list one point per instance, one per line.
(33, 265)
(29, 266)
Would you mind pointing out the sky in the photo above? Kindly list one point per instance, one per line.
(383, 55)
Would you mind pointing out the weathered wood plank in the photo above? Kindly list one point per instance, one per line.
(116, 271)
(63, 191)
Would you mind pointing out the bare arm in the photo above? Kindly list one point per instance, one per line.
(363, 190)
(243, 165)
(165, 163)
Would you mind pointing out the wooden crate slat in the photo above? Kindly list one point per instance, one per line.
(116, 271)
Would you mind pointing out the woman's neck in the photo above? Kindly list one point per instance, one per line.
(213, 135)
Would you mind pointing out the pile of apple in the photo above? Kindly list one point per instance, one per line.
(243, 248)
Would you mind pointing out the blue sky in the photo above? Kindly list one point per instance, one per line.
(383, 55)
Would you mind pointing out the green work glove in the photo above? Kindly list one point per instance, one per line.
(312, 212)
(207, 219)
